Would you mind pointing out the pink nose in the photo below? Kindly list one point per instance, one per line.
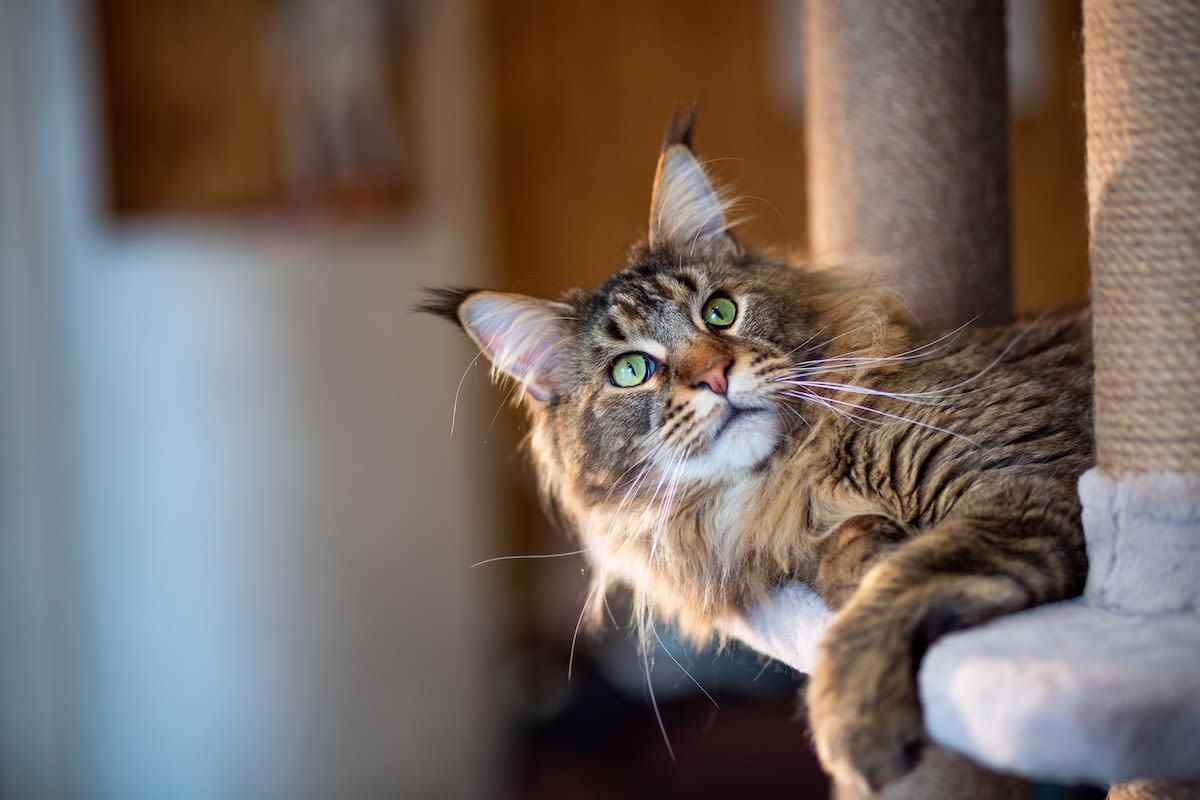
(714, 376)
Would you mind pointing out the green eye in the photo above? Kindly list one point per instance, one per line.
(719, 311)
(631, 369)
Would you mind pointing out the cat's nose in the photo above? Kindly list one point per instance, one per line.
(714, 377)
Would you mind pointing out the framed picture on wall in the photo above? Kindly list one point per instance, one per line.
(238, 105)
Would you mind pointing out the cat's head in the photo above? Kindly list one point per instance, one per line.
(669, 370)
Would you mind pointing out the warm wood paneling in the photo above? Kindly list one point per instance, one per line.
(1049, 197)
(581, 93)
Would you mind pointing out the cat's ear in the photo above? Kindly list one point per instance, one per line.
(523, 337)
(687, 212)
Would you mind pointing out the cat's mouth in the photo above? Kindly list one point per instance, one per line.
(735, 413)
(743, 438)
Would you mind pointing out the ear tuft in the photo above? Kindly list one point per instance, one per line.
(524, 337)
(686, 212)
(681, 127)
(444, 302)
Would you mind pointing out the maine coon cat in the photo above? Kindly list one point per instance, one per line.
(714, 421)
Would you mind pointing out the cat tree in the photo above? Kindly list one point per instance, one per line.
(1105, 689)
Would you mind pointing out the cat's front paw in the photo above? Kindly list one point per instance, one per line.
(864, 711)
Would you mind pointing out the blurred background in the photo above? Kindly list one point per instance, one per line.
(243, 486)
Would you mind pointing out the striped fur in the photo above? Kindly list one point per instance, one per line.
(921, 483)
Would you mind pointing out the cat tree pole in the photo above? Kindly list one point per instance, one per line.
(1108, 690)
(906, 137)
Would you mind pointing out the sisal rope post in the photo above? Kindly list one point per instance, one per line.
(1141, 507)
(1142, 88)
(907, 137)
(1142, 85)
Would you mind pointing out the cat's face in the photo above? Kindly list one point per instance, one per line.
(668, 372)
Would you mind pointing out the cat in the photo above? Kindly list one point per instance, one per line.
(714, 421)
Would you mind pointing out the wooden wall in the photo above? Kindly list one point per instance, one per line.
(581, 93)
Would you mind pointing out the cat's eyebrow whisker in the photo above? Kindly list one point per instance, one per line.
(522, 557)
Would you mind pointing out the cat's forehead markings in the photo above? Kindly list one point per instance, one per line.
(670, 286)
(649, 347)
(613, 329)
(623, 318)
(685, 280)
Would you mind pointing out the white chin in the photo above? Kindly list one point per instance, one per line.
(746, 443)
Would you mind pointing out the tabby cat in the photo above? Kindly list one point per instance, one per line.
(714, 421)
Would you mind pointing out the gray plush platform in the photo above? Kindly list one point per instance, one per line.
(1070, 694)
(1065, 694)
(1099, 691)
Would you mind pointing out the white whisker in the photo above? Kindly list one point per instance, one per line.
(899, 418)
(458, 391)
(525, 557)
(578, 625)
(682, 668)
(654, 703)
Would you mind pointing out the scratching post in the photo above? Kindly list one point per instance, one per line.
(1108, 690)
(1142, 501)
(907, 135)
(1142, 84)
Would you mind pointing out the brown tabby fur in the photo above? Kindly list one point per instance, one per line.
(921, 484)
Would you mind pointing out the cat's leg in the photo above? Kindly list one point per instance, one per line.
(848, 551)
(999, 551)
